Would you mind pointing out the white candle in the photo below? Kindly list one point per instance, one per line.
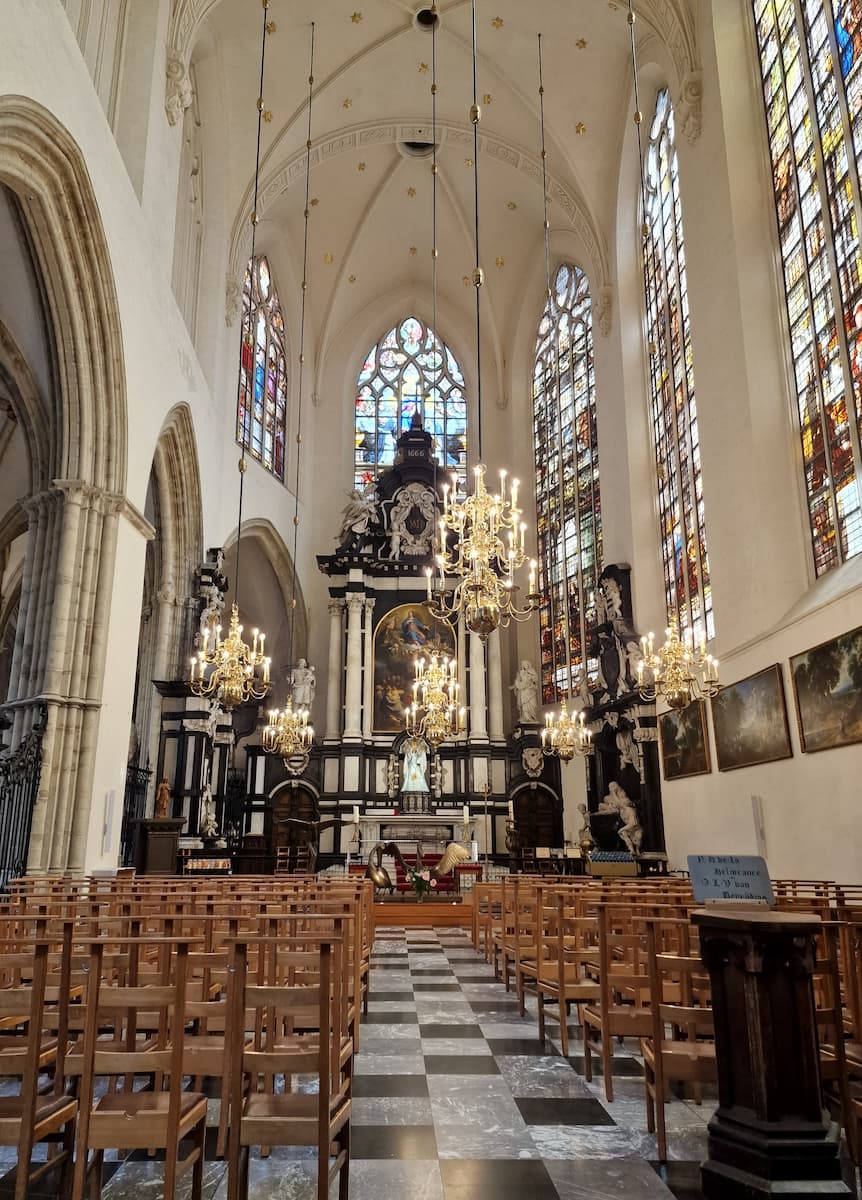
(356, 814)
(511, 811)
(465, 814)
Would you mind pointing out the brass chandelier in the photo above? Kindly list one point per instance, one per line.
(434, 714)
(678, 672)
(229, 669)
(288, 733)
(481, 536)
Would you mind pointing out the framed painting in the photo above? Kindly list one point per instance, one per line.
(750, 721)
(684, 742)
(827, 687)
(403, 634)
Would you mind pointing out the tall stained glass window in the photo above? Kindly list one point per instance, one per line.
(262, 399)
(811, 64)
(676, 442)
(409, 369)
(567, 482)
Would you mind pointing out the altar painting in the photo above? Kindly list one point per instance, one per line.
(405, 633)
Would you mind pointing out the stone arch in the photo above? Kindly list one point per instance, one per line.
(80, 446)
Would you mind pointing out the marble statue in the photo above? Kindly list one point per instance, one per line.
(526, 689)
(208, 827)
(630, 831)
(585, 836)
(303, 684)
(359, 514)
(629, 751)
(415, 766)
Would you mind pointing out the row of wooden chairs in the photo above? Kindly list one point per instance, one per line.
(103, 999)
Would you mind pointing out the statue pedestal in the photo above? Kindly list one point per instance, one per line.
(156, 845)
(769, 1135)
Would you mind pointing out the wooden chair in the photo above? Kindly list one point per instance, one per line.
(158, 1117)
(30, 1116)
(681, 1046)
(300, 1027)
(623, 976)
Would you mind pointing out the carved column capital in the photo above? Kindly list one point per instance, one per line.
(690, 106)
(178, 87)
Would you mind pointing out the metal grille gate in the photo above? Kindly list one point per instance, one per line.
(19, 783)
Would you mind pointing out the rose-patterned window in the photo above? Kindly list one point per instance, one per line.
(811, 65)
(569, 518)
(262, 400)
(409, 369)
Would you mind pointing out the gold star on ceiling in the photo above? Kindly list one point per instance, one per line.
(501, 262)
(346, 103)
(423, 68)
(267, 115)
(356, 17)
(411, 192)
(487, 98)
(580, 128)
(413, 250)
(360, 166)
(327, 258)
(271, 27)
(351, 279)
(468, 162)
(465, 279)
(511, 206)
(497, 23)
(581, 43)
(314, 202)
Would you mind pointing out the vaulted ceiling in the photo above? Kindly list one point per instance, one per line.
(370, 231)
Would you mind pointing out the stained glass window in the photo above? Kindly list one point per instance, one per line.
(568, 502)
(810, 54)
(673, 408)
(262, 399)
(409, 369)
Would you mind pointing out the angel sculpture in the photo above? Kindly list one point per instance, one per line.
(451, 857)
(359, 514)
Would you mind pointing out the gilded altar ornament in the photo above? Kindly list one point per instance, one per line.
(678, 672)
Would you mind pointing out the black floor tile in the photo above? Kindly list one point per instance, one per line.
(391, 1018)
(420, 972)
(389, 1085)
(460, 1064)
(406, 996)
(494, 1006)
(621, 1068)
(436, 987)
(450, 1031)
(474, 978)
(401, 965)
(496, 1179)
(527, 1045)
(555, 1111)
(393, 1141)
(683, 1178)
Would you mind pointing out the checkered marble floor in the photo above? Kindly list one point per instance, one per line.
(455, 1098)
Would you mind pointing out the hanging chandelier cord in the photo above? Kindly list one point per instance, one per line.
(267, 28)
(478, 280)
(302, 306)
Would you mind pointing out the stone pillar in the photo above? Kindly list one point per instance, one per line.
(769, 1133)
(353, 685)
(495, 687)
(368, 666)
(333, 675)
(478, 698)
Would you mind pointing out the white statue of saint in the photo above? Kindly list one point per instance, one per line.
(415, 766)
(526, 689)
(303, 682)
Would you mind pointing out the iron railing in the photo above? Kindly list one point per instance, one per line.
(19, 783)
(134, 807)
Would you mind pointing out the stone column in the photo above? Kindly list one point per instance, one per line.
(353, 685)
(495, 687)
(478, 697)
(368, 678)
(333, 676)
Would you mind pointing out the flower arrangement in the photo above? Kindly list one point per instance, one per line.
(420, 881)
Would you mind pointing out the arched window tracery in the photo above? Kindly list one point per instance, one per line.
(262, 397)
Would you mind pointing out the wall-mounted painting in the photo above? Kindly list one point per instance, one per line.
(750, 721)
(827, 684)
(403, 634)
(684, 742)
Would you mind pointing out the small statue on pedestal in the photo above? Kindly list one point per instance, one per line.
(526, 687)
(163, 800)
